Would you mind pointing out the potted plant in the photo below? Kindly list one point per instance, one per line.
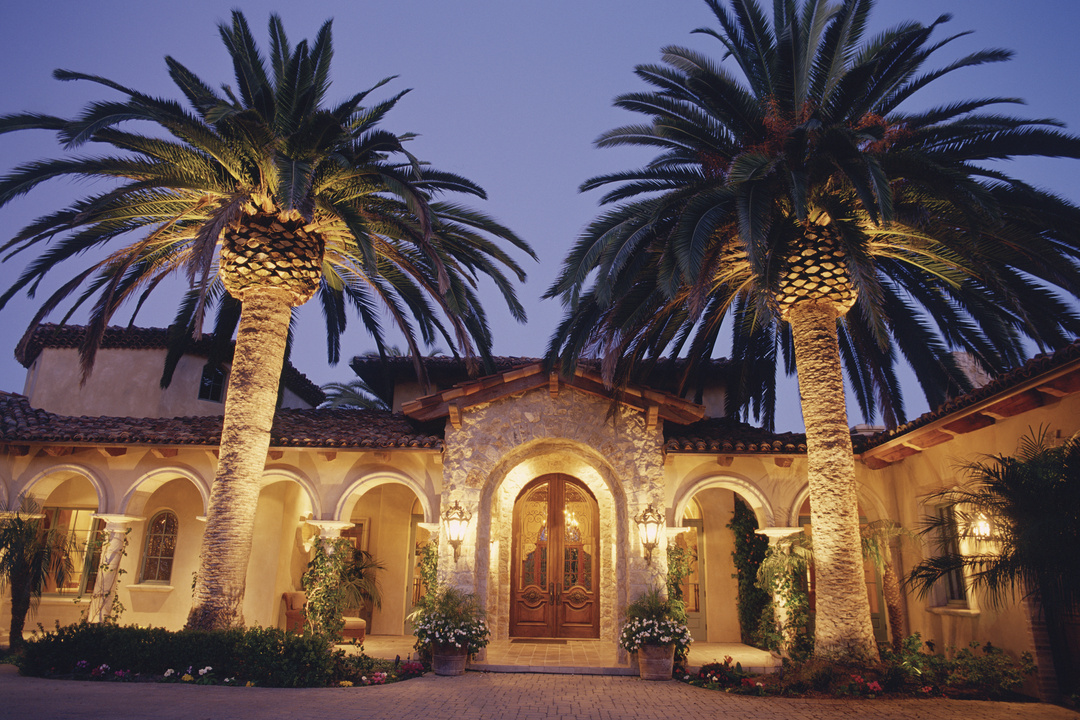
(451, 623)
(656, 630)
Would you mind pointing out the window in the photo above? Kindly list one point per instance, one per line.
(949, 540)
(160, 547)
(212, 385)
(85, 533)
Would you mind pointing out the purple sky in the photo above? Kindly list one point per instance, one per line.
(508, 94)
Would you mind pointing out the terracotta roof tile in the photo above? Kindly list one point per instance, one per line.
(49, 335)
(726, 435)
(1038, 365)
(19, 423)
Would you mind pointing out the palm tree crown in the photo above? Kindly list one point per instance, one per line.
(793, 193)
(791, 170)
(350, 214)
(266, 195)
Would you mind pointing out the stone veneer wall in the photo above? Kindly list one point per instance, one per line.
(504, 444)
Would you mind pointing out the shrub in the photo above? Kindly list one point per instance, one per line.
(262, 656)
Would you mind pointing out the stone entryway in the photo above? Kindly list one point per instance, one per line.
(556, 560)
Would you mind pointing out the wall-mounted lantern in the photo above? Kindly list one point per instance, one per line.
(981, 528)
(649, 523)
(457, 522)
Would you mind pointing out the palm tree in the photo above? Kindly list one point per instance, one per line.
(265, 195)
(790, 188)
(31, 556)
(1030, 503)
(877, 539)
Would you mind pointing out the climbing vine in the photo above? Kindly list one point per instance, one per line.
(428, 567)
(326, 597)
(750, 548)
(680, 562)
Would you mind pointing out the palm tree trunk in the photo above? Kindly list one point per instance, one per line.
(245, 440)
(20, 608)
(842, 623)
(893, 599)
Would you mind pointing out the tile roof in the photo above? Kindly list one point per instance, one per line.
(50, 335)
(338, 428)
(1038, 365)
(726, 435)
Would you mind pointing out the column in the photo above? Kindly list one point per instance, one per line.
(113, 549)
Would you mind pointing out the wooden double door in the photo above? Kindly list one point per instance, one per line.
(554, 577)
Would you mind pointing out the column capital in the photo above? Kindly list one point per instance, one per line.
(778, 533)
(114, 523)
(329, 529)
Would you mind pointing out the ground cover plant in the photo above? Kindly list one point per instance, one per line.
(976, 672)
(264, 657)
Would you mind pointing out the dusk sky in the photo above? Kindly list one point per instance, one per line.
(509, 94)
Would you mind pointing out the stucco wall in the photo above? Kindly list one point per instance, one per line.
(123, 383)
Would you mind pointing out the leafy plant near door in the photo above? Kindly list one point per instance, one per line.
(680, 563)
(450, 617)
(781, 574)
(326, 596)
(750, 549)
(653, 619)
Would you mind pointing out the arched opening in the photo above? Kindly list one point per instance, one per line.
(279, 556)
(711, 590)
(555, 569)
(157, 597)
(387, 522)
(69, 502)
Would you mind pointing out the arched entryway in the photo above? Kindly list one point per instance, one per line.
(555, 569)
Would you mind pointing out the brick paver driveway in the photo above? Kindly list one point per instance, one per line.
(476, 696)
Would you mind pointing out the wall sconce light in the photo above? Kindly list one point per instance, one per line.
(457, 522)
(982, 528)
(649, 523)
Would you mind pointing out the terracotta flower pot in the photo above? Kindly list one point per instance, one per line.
(656, 662)
(448, 659)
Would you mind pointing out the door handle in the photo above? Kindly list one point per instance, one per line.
(552, 591)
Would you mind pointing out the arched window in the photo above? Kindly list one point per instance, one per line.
(160, 547)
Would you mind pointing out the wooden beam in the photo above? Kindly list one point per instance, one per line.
(1019, 403)
(1062, 385)
(651, 415)
(455, 415)
(929, 439)
(553, 385)
(969, 423)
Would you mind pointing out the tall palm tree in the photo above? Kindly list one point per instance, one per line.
(792, 193)
(31, 556)
(265, 195)
(1030, 502)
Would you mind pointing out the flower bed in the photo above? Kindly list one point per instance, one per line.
(264, 657)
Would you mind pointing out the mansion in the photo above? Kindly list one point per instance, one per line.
(551, 472)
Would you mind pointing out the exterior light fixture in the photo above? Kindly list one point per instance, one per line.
(982, 528)
(649, 523)
(457, 522)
